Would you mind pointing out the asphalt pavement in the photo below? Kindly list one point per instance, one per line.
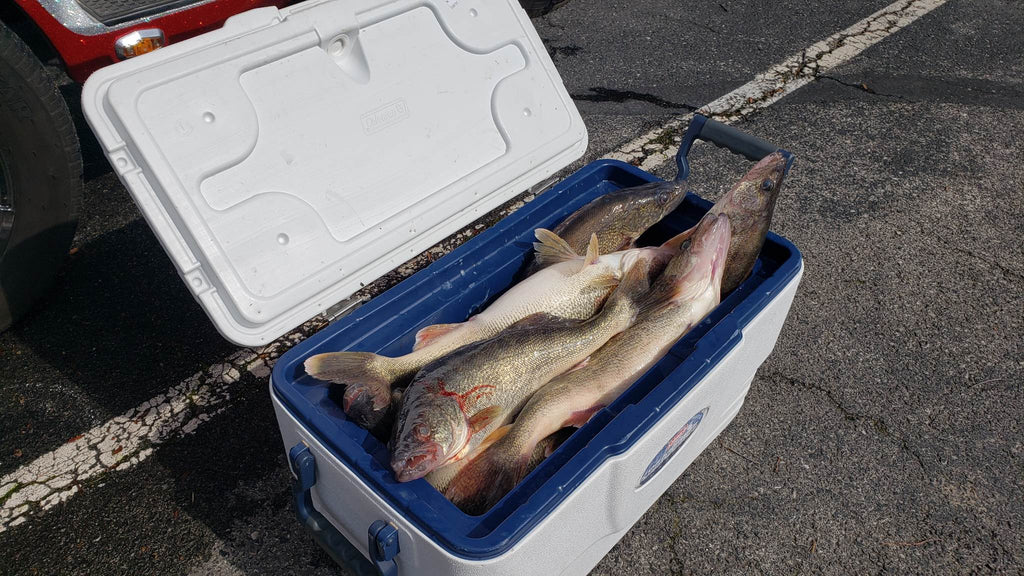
(885, 434)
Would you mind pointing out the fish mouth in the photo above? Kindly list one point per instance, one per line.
(361, 406)
(771, 166)
(409, 467)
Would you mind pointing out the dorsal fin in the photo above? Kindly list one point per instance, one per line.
(592, 251)
(551, 248)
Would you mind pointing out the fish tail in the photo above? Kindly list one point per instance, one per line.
(368, 379)
(634, 284)
(492, 472)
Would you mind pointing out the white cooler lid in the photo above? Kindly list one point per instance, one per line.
(295, 155)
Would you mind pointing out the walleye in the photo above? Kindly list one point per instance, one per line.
(749, 205)
(573, 287)
(686, 292)
(619, 218)
(454, 403)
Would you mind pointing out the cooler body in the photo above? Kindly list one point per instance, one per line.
(568, 513)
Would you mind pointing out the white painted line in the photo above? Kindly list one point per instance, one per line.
(131, 437)
(657, 146)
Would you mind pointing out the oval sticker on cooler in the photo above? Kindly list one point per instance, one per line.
(672, 446)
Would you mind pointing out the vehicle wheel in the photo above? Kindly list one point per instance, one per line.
(40, 178)
(540, 7)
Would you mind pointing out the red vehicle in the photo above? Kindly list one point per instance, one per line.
(40, 163)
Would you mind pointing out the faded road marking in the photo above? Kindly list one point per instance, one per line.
(659, 145)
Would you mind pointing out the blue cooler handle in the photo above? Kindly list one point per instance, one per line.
(382, 537)
(723, 136)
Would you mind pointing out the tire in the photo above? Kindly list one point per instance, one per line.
(40, 179)
(540, 7)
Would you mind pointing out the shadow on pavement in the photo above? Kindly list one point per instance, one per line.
(120, 325)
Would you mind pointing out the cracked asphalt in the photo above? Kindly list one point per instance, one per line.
(885, 434)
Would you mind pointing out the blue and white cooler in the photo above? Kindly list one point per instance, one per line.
(296, 155)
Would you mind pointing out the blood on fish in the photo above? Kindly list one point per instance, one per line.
(464, 397)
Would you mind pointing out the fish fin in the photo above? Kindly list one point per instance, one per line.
(431, 333)
(592, 251)
(488, 476)
(579, 365)
(368, 378)
(676, 242)
(654, 306)
(609, 280)
(498, 433)
(484, 418)
(581, 417)
(551, 248)
(634, 283)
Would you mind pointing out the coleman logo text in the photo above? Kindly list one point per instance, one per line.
(387, 115)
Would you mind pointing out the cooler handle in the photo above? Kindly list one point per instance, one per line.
(382, 537)
(723, 136)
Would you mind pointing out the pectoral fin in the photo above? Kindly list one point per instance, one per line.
(592, 251)
(431, 333)
(484, 418)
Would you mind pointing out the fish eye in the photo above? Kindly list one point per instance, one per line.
(421, 431)
(767, 185)
(662, 198)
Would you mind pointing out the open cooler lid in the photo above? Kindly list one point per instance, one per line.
(295, 155)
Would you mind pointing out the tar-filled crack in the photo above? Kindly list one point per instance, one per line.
(808, 68)
(863, 87)
(877, 424)
(601, 94)
(697, 24)
(557, 52)
(673, 539)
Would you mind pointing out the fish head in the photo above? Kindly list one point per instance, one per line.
(650, 202)
(755, 194)
(699, 266)
(430, 431)
(669, 197)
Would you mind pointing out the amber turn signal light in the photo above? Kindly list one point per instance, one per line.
(139, 42)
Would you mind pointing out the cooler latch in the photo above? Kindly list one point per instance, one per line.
(383, 546)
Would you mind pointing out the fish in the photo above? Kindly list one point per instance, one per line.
(572, 287)
(618, 218)
(750, 204)
(687, 291)
(454, 403)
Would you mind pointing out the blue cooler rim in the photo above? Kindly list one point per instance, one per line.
(611, 431)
